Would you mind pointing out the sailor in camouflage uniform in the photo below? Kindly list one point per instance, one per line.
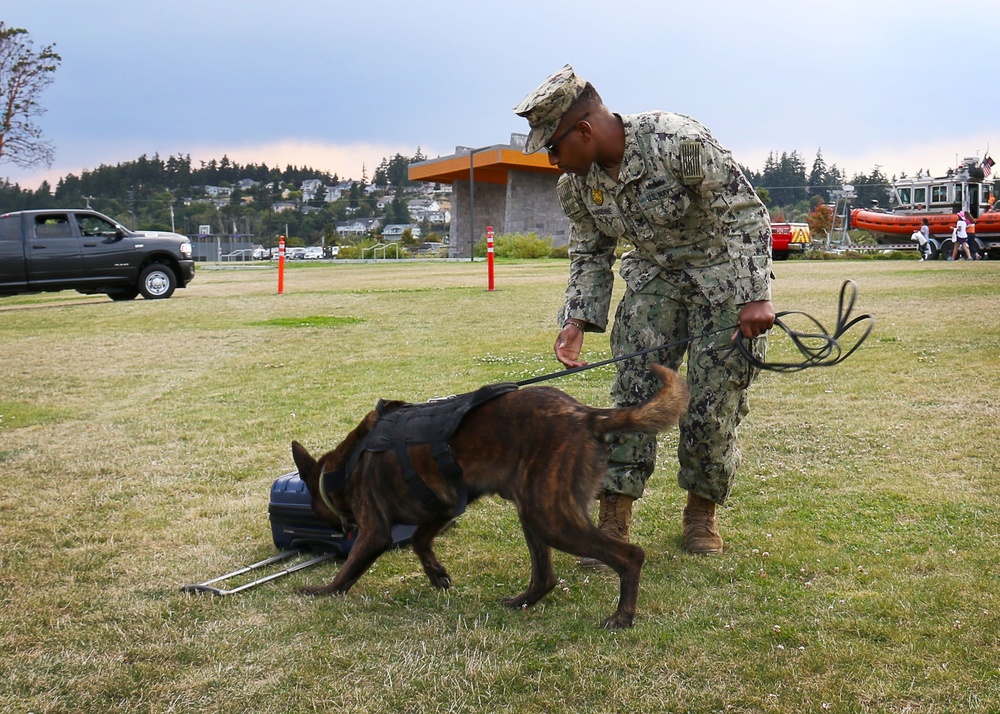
(700, 262)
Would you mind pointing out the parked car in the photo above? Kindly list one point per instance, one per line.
(314, 252)
(295, 253)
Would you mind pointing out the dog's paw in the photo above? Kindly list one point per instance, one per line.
(618, 621)
(440, 580)
(515, 603)
(436, 573)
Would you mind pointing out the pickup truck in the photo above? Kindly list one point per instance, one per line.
(86, 251)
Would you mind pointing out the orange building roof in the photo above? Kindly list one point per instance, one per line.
(491, 165)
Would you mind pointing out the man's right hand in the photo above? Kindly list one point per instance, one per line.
(569, 345)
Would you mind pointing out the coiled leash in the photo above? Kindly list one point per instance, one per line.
(819, 349)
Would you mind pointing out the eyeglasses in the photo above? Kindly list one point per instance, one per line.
(551, 146)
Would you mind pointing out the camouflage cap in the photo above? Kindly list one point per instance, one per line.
(545, 107)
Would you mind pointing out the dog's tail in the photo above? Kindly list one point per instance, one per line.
(655, 415)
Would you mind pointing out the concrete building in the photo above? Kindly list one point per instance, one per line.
(511, 191)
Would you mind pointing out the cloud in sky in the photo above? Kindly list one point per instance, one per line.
(336, 86)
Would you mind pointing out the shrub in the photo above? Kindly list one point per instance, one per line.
(349, 252)
(517, 245)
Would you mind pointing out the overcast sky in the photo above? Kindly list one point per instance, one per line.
(339, 86)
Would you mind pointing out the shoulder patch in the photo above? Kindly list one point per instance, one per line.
(691, 168)
(572, 204)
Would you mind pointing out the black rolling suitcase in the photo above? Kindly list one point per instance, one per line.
(294, 525)
(296, 531)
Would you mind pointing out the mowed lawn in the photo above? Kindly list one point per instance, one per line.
(139, 441)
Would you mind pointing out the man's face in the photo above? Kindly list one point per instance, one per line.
(571, 146)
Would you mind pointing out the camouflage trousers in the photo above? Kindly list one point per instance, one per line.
(666, 311)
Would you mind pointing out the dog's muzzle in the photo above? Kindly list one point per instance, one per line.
(339, 480)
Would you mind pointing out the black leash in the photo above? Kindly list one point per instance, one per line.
(820, 348)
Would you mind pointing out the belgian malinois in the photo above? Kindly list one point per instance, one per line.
(537, 447)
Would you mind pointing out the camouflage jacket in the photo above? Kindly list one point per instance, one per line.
(684, 205)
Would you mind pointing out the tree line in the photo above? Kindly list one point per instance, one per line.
(157, 194)
(788, 189)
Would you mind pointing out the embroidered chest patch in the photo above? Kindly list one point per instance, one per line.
(598, 196)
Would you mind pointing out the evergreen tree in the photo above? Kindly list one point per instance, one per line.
(785, 179)
(872, 189)
(818, 176)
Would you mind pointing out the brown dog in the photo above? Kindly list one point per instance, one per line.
(537, 447)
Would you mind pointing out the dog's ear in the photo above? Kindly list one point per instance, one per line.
(306, 465)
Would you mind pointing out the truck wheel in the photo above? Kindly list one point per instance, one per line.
(929, 251)
(157, 282)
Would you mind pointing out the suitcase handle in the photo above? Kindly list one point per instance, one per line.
(208, 585)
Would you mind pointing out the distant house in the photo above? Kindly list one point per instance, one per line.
(394, 231)
(248, 184)
(279, 206)
(438, 216)
(310, 188)
(357, 226)
(422, 206)
(216, 202)
(218, 191)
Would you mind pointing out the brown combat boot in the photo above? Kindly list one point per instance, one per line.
(701, 537)
(614, 519)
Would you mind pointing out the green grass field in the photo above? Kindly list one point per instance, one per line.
(138, 443)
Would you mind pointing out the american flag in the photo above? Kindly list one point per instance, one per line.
(988, 166)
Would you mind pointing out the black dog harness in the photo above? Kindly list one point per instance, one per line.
(401, 426)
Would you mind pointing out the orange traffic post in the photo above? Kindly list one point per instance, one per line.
(489, 254)
(281, 264)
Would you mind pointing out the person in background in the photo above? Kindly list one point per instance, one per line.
(961, 235)
(923, 237)
(700, 264)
